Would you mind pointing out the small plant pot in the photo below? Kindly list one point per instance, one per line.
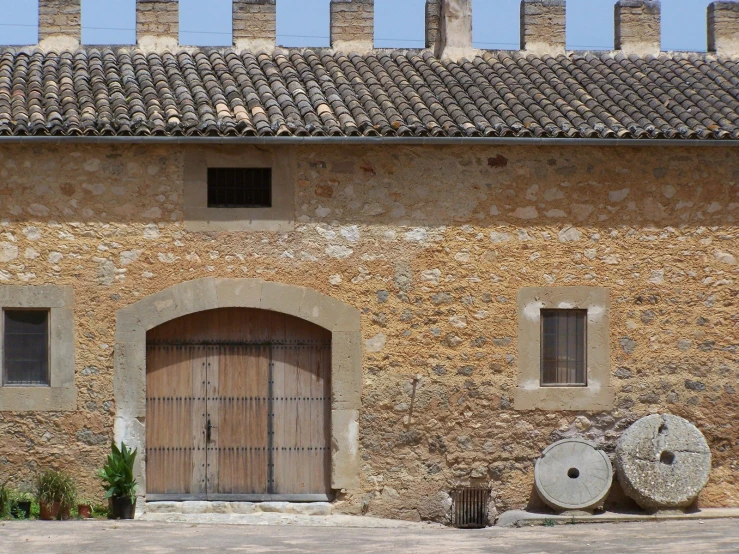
(84, 510)
(122, 508)
(22, 509)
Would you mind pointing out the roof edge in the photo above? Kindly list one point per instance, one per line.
(364, 141)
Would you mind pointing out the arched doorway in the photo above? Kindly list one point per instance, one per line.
(238, 407)
(341, 320)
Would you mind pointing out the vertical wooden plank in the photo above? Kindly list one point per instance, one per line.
(243, 380)
(212, 402)
(169, 440)
(199, 420)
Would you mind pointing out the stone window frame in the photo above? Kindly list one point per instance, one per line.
(343, 320)
(200, 218)
(61, 394)
(598, 394)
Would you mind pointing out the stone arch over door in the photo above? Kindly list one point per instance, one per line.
(342, 320)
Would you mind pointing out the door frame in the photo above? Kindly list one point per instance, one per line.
(342, 320)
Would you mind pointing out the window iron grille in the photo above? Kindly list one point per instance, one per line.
(470, 507)
(241, 187)
(563, 352)
(26, 347)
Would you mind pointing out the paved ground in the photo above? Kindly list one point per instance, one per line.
(671, 537)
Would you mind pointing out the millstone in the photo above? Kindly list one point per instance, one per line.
(663, 462)
(573, 474)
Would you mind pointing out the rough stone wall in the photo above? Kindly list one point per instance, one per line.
(543, 25)
(59, 17)
(254, 20)
(433, 22)
(158, 18)
(432, 244)
(723, 28)
(638, 26)
(352, 23)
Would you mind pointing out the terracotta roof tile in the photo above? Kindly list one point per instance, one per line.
(215, 92)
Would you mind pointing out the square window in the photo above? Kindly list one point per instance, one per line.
(26, 347)
(244, 187)
(563, 347)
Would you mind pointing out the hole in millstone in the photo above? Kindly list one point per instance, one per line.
(662, 429)
(667, 458)
(573, 473)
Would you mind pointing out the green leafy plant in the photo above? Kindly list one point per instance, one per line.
(5, 500)
(56, 486)
(15, 499)
(117, 474)
(549, 522)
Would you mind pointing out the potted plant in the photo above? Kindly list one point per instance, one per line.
(21, 505)
(84, 509)
(56, 494)
(118, 482)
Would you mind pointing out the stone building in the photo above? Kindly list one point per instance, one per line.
(361, 275)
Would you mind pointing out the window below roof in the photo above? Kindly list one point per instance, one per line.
(239, 187)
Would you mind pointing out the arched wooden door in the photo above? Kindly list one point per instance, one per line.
(238, 407)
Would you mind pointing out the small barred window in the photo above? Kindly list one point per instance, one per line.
(563, 341)
(26, 347)
(240, 187)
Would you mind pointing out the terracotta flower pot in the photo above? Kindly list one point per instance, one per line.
(84, 510)
(49, 511)
(54, 511)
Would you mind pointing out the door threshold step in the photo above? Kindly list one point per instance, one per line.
(194, 507)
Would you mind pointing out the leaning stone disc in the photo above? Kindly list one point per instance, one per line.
(573, 474)
(663, 462)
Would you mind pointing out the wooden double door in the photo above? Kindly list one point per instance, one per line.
(238, 408)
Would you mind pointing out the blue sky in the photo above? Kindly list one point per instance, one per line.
(398, 23)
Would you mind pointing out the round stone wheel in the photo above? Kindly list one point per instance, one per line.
(573, 474)
(663, 462)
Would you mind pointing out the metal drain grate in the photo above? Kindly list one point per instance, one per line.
(470, 508)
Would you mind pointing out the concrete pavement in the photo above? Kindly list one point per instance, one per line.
(673, 537)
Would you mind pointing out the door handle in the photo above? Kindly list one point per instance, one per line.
(208, 428)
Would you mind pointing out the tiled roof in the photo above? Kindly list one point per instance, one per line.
(104, 91)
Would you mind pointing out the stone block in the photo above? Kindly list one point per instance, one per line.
(352, 24)
(244, 508)
(723, 28)
(638, 26)
(274, 507)
(311, 509)
(543, 26)
(346, 362)
(164, 507)
(454, 38)
(345, 464)
(238, 293)
(195, 507)
(221, 507)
